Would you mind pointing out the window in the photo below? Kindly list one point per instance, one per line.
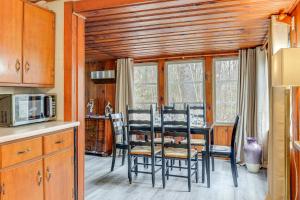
(226, 77)
(185, 82)
(145, 84)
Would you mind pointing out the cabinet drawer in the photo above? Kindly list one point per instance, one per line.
(20, 151)
(58, 141)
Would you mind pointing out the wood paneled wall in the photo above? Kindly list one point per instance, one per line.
(295, 34)
(102, 91)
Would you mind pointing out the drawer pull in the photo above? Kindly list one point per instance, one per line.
(23, 152)
(59, 142)
(39, 178)
(49, 174)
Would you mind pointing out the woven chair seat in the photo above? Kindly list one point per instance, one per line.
(179, 153)
(144, 150)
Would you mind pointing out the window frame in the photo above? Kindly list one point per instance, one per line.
(183, 62)
(214, 89)
(157, 81)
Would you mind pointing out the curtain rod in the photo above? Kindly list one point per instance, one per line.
(186, 56)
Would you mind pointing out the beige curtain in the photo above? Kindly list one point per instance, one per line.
(124, 84)
(247, 93)
(262, 102)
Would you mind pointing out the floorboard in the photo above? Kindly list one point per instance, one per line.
(105, 185)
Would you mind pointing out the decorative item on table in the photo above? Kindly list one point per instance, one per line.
(90, 106)
(253, 153)
(108, 109)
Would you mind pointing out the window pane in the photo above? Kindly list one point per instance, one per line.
(226, 89)
(145, 84)
(185, 82)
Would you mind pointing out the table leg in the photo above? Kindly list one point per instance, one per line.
(207, 158)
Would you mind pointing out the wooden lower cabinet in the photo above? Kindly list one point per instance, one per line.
(98, 137)
(35, 174)
(59, 176)
(23, 182)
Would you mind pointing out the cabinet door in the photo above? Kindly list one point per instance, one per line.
(59, 176)
(11, 20)
(24, 182)
(38, 47)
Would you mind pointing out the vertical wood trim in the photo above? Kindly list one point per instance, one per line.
(81, 102)
(161, 82)
(68, 72)
(74, 83)
(209, 88)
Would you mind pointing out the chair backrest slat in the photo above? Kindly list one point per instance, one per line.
(234, 130)
(181, 120)
(139, 122)
(118, 127)
(148, 135)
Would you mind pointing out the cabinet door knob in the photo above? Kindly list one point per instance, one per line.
(39, 178)
(49, 174)
(27, 67)
(18, 65)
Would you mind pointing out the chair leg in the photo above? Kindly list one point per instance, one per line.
(129, 169)
(203, 168)
(168, 168)
(114, 153)
(163, 168)
(136, 166)
(197, 168)
(213, 163)
(171, 162)
(153, 170)
(179, 165)
(234, 171)
(144, 160)
(189, 174)
(123, 156)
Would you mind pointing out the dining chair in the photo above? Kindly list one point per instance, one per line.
(141, 148)
(178, 126)
(224, 152)
(197, 113)
(118, 130)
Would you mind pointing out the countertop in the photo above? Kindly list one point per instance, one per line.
(8, 134)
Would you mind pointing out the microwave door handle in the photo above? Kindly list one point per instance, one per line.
(50, 106)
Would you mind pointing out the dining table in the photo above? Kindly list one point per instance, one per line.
(205, 129)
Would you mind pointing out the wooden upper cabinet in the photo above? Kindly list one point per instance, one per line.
(24, 182)
(38, 46)
(11, 20)
(59, 176)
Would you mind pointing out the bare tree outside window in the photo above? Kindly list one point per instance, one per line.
(145, 84)
(226, 77)
(185, 82)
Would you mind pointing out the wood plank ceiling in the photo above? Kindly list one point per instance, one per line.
(178, 27)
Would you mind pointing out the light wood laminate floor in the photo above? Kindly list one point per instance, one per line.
(101, 184)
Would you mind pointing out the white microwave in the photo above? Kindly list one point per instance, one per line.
(20, 109)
